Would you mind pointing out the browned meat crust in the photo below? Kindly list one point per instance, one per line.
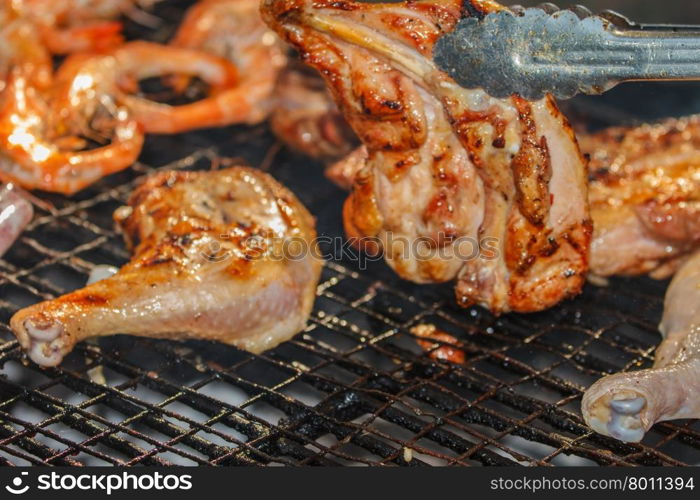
(305, 117)
(227, 255)
(445, 164)
(645, 196)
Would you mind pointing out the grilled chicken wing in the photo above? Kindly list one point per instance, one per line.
(224, 255)
(645, 197)
(456, 184)
(626, 405)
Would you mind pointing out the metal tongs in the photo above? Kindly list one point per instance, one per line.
(536, 51)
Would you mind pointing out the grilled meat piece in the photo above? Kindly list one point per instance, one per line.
(644, 189)
(456, 184)
(440, 345)
(15, 213)
(626, 405)
(644, 192)
(305, 117)
(645, 201)
(343, 171)
(224, 255)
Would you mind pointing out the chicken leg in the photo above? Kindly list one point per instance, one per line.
(225, 255)
(626, 405)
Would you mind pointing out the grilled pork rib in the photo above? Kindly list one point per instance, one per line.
(224, 255)
(626, 405)
(448, 170)
(645, 197)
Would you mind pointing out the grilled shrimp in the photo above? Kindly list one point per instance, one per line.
(40, 150)
(140, 60)
(21, 47)
(71, 26)
(44, 134)
(231, 29)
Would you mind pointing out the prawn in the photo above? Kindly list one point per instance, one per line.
(140, 60)
(39, 150)
(20, 46)
(44, 136)
(68, 26)
(233, 30)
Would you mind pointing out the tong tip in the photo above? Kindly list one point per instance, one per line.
(519, 52)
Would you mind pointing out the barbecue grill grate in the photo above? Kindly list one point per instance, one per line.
(353, 388)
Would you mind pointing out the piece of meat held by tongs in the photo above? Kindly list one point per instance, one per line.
(456, 185)
(226, 255)
(626, 405)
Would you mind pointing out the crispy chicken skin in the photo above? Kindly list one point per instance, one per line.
(626, 405)
(645, 197)
(223, 255)
(448, 170)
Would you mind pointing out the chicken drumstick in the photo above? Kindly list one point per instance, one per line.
(225, 255)
(626, 405)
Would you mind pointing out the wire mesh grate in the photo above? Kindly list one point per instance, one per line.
(354, 388)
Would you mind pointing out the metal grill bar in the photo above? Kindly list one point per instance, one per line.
(353, 388)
